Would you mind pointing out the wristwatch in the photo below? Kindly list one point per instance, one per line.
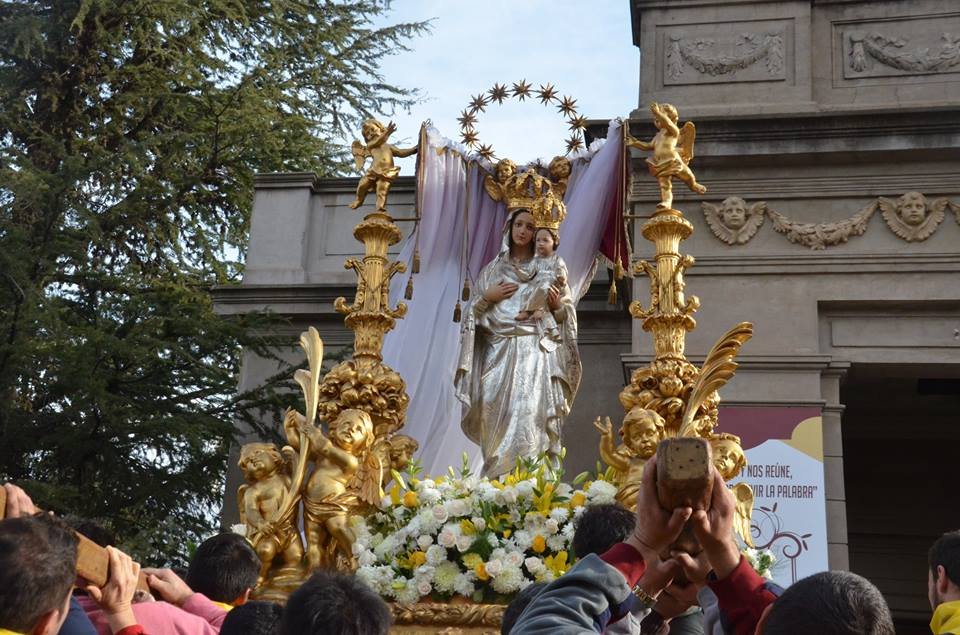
(647, 600)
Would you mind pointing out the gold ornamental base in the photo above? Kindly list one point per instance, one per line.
(455, 618)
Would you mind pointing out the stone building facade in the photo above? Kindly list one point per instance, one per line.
(820, 115)
(814, 119)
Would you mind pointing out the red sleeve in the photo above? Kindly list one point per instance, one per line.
(627, 561)
(742, 597)
(136, 629)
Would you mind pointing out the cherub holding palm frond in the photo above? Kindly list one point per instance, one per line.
(346, 477)
(382, 172)
(672, 152)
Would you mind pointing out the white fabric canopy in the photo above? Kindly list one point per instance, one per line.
(423, 347)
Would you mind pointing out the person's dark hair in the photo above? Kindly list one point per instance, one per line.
(945, 552)
(38, 564)
(601, 527)
(522, 600)
(335, 604)
(253, 618)
(830, 603)
(223, 568)
(92, 529)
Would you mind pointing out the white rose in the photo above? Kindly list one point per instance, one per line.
(551, 526)
(479, 523)
(508, 496)
(525, 489)
(447, 538)
(494, 567)
(424, 542)
(514, 559)
(534, 565)
(464, 543)
(424, 587)
(457, 507)
(440, 513)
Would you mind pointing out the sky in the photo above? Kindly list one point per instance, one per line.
(584, 49)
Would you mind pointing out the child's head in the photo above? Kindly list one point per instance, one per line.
(559, 168)
(402, 449)
(352, 430)
(253, 618)
(259, 460)
(728, 456)
(546, 241)
(505, 169)
(224, 568)
(670, 112)
(371, 129)
(641, 431)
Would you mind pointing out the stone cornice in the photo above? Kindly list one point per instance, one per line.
(280, 180)
(822, 262)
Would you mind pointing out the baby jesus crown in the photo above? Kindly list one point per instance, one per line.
(534, 192)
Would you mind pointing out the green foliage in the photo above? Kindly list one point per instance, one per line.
(130, 133)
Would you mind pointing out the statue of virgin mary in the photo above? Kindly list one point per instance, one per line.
(516, 389)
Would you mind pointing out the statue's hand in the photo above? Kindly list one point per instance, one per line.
(605, 428)
(500, 291)
(553, 298)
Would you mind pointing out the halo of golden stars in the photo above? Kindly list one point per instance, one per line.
(547, 95)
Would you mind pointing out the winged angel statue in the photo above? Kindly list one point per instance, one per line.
(672, 152)
(382, 172)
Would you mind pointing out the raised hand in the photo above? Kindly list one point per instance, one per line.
(714, 528)
(116, 596)
(656, 527)
(605, 428)
(168, 585)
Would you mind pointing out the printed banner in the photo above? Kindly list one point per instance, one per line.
(784, 450)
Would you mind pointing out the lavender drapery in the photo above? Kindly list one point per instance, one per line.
(423, 346)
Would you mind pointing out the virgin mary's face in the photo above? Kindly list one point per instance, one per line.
(522, 229)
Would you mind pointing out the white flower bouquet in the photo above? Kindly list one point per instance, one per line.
(434, 539)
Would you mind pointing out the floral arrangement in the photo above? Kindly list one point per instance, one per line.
(434, 539)
(483, 540)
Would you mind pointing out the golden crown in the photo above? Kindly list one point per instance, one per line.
(534, 192)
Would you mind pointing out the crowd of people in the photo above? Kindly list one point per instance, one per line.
(626, 580)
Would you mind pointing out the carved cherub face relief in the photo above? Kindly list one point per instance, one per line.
(733, 212)
(642, 431)
(559, 168)
(728, 457)
(912, 217)
(733, 221)
(912, 208)
(258, 460)
(505, 169)
(352, 430)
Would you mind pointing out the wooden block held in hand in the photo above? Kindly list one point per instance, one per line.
(684, 478)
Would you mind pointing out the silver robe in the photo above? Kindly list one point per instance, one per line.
(515, 393)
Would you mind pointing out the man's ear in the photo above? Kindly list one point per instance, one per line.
(942, 582)
(51, 621)
(763, 619)
(244, 598)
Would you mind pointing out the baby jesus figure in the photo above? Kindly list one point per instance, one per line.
(551, 273)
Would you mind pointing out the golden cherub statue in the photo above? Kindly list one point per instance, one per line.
(345, 479)
(641, 431)
(729, 459)
(672, 152)
(395, 454)
(382, 172)
(271, 529)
